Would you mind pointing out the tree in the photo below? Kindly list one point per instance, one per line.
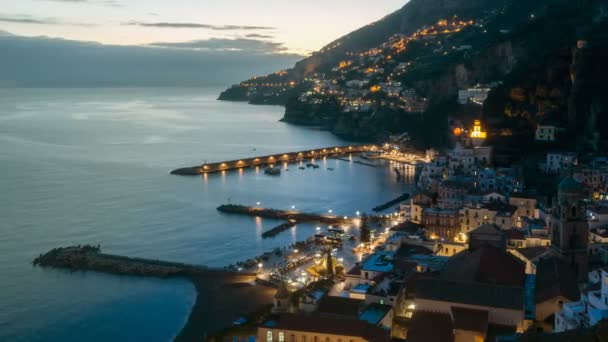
(365, 234)
(329, 265)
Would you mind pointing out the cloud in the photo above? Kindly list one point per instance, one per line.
(49, 62)
(26, 19)
(111, 3)
(199, 26)
(248, 45)
(259, 36)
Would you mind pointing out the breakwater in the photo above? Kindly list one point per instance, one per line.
(271, 160)
(90, 258)
(391, 203)
(282, 214)
(278, 229)
(221, 294)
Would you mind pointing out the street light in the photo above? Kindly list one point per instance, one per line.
(258, 203)
(358, 213)
(260, 265)
(293, 207)
(318, 228)
(330, 211)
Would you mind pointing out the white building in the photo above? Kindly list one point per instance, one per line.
(545, 133)
(558, 161)
(477, 95)
(592, 308)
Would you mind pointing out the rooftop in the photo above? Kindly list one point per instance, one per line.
(361, 288)
(375, 313)
(497, 296)
(531, 253)
(487, 229)
(430, 326)
(379, 262)
(486, 264)
(340, 306)
(328, 325)
(555, 278)
(470, 319)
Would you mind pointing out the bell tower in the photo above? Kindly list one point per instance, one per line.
(569, 230)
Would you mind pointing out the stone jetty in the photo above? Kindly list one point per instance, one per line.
(282, 214)
(90, 258)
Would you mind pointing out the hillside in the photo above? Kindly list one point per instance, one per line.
(404, 72)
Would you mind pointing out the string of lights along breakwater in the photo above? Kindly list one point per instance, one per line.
(271, 160)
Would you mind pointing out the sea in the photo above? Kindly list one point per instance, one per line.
(91, 166)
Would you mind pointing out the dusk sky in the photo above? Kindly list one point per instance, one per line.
(292, 26)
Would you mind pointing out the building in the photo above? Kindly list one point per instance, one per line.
(487, 234)
(281, 299)
(476, 95)
(558, 161)
(531, 256)
(526, 207)
(555, 286)
(570, 230)
(478, 135)
(317, 328)
(599, 235)
(545, 132)
(441, 223)
(480, 291)
(473, 216)
(588, 311)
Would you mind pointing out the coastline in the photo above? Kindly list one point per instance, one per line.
(221, 296)
(228, 300)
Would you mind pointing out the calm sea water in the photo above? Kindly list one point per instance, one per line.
(92, 166)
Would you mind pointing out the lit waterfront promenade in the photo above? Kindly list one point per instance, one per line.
(271, 160)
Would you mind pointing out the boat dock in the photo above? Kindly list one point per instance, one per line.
(271, 160)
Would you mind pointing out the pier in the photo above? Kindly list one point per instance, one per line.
(271, 160)
(292, 215)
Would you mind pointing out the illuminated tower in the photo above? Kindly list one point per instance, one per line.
(478, 136)
(570, 231)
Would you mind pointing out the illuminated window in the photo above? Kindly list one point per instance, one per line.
(281, 337)
(269, 336)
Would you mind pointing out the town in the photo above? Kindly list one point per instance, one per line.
(476, 252)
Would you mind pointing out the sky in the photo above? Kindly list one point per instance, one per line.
(283, 26)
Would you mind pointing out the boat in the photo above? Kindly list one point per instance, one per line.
(272, 171)
(302, 168)
(330, 168)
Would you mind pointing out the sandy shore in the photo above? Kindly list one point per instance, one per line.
(219, 303)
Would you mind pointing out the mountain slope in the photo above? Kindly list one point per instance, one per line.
(403, 73)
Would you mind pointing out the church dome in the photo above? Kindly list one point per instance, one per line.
(569, 184)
